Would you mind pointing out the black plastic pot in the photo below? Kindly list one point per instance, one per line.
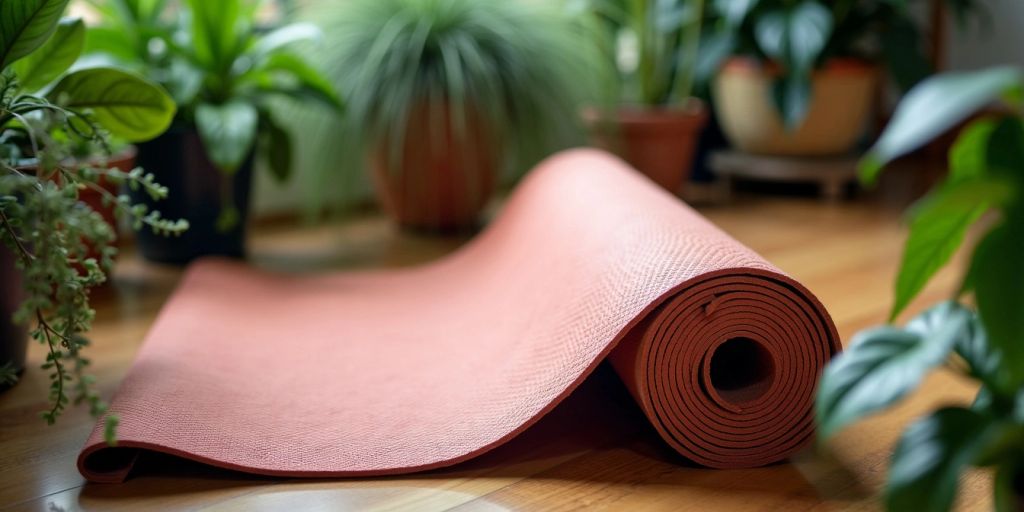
(179, 162)
(13, 337)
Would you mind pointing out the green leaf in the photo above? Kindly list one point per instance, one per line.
(968, 155)
(933, 107)
(110, 41)
(128, 105)
(932, 453)
(54, 57)
(792, 96)
(714, 49)
(883, 364)
(937, 229)
(25, 25)
(809, 27)
(228, 132)
(997, 273)
(277, 149)
(734, 11)
(299, 77)
(215, 31)
(285, 36)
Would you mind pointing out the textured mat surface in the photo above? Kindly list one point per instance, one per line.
(374, 373)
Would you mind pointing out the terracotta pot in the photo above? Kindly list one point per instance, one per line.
(841, 100)
(13, 337)
(439, 178)
(659, 142)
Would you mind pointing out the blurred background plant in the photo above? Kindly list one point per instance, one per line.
(884, 364)
(650, 46)
(225, 72)
(53, 147)
(800, 37)
(446, 97)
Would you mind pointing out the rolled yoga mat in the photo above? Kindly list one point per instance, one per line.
(384, 372)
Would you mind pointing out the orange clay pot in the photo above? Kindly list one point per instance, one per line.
(659, 142)
(440, 177)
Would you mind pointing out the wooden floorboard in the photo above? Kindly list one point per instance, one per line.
(597, 453)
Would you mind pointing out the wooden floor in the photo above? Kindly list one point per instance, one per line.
(595, 453)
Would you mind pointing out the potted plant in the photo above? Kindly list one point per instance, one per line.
(445, 95)
(48, 232)
(224, 72)
(800, 78)
(984, 343)
(652, 45)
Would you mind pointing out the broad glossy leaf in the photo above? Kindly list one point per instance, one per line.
(933, 107)
(809, 27)
(110, 41)
(770, 30)
(228, 132)
(128, 105)
(997, 274)
(734, 11)
(276, 144)
(25, 25)
(714, 49)
(54, 57)
(300, 76)
(968, 157)
(937, 229)
(792, 96)
(883, 364)
(932, 453)
(284, 36)
(215, 30)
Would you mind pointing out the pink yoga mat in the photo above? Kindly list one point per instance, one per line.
(374, 373)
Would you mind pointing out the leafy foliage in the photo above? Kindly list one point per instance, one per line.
(801, 35)
(53, 234)
(222, 70)
(518, 67)
(986, 178)
(652, 45)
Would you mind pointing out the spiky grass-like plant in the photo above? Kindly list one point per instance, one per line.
(522, 68)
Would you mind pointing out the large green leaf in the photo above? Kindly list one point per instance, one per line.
(997, 274)
(54, 57)
(884, 364)
(795, 37)
(937, 229)
(126, 104)
(291, 74)
(932, 453)
(25, 25)
(901, 50)
(734, 11)
(276, 146)
(215, 31)
(933, 107)
(111, 41)
(228, 132)
(285, 36)
(1004, 153)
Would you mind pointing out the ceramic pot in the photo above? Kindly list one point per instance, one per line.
(439, 177)
(659, 142)
(13, 337)
(196, 191)
(841, 101)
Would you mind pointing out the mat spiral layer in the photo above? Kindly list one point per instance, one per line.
(384, 372)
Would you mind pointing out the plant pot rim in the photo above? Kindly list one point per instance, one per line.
(692, 110)
(832, 66)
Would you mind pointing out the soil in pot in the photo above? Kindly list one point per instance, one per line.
(13, 337)
(440, 177)
(659, 142)
(841, 100)
(197, 193)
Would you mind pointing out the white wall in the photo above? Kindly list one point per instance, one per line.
(999, 42)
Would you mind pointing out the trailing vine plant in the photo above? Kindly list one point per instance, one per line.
(63, 248)
(984, 342)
